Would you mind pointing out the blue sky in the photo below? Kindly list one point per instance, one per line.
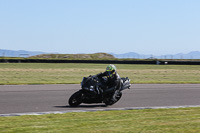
(89, 26)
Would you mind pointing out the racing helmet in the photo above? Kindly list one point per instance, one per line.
(110, 69)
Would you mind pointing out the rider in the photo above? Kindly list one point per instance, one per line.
(113, 81)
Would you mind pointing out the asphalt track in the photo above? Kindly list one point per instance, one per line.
(45, 98)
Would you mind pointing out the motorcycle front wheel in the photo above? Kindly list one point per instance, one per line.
(113, 100)
(75, 99)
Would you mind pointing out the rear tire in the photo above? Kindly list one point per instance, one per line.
(75, 99)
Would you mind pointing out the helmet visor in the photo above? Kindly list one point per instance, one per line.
(110, 73)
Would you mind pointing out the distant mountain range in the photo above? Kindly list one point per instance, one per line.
(19, 53)
(190, 55)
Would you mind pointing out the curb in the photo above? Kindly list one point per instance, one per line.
(94, 110)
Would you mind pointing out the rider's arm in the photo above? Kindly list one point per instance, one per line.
(100, 75)
(117, 76)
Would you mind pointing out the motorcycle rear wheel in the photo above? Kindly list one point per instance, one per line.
(75, 99)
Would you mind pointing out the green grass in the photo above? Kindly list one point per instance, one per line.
(145, 121)
(72, 73)
(137, 121)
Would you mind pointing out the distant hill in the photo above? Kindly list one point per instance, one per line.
(19, 53)
(75, 56)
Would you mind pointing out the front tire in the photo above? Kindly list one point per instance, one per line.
(114, 99)
(75, 99)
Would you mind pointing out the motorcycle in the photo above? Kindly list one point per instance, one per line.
(92, 92)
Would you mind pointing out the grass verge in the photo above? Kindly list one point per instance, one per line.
(147, 120)
(72, 73)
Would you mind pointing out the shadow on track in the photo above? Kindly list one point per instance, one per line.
(81, 106)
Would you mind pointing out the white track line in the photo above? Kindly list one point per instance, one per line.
(93, 110)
